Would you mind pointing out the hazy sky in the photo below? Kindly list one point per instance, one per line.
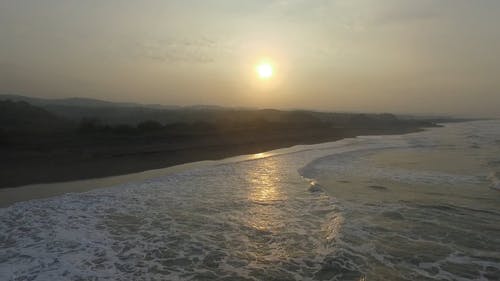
(420, 56)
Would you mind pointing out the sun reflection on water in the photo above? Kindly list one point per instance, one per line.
(274, 200)
(265, 194)
(259, 155)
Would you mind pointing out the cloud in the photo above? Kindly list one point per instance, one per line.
(406, 12)
(183, 50)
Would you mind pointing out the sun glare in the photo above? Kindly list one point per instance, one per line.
(264, 70)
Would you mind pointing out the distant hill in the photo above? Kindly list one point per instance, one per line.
(20, 116)
(112, 113)
(80, 102)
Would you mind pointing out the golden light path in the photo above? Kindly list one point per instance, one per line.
(272, 213)
(265, 193)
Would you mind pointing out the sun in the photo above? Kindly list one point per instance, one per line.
(264, 70)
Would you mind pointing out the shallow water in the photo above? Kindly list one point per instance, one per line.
(412, 207)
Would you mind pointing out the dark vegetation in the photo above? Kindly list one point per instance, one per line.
(80, 139)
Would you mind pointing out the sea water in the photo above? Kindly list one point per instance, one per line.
(420, 206)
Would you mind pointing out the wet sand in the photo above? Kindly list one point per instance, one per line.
(9, 196)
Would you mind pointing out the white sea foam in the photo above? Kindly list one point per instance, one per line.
(227, 221)
(495, 180)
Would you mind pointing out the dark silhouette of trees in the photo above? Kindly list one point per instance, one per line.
(149, 125)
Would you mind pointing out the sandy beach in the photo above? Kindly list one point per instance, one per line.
(39, 181)
(60, 164)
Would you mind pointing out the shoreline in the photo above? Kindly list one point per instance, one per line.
(193, 158)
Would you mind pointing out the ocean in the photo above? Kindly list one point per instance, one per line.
(420, 206)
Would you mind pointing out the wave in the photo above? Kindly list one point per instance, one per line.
(495, 180)
(254, 220)
(342, 166)
(237, 221)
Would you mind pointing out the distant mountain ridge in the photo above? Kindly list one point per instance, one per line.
(75, 110)
(81, 102)
(22, 116)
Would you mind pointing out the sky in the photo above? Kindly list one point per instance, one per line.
(401, 56)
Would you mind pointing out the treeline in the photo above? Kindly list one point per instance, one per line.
(92, 126)
(96, 126)
(22, 118)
